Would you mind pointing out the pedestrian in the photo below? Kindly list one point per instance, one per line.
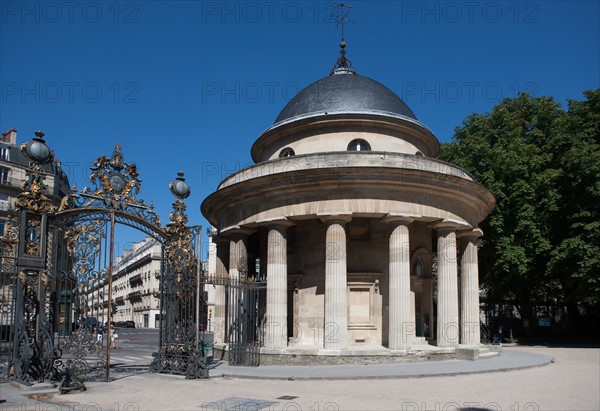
(113, 338)
(99, 335)
(500, 334)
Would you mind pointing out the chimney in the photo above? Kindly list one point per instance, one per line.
(10, 136)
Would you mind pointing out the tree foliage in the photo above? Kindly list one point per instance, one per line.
(542, 163)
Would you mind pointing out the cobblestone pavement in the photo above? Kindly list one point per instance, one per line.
(570, 382)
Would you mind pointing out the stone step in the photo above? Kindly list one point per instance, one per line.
(489, 351)
(40, 391)
(488, 354)
(35, 387)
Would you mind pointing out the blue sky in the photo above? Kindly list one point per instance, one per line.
(189, 85)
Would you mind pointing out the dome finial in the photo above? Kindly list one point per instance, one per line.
(343, 65)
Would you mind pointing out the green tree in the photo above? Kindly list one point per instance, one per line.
(574, 264)
(542, 163)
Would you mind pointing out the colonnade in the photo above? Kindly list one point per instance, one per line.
(455, 324)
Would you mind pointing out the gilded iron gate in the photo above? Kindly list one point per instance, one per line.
(180, 300)
(79, 297)
(58, 284)
(8, 278)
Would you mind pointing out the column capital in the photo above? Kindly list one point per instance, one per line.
(473, 233)
(335, 218)
(276, 222)
(220, 238)
(236, 230)
(449, 223)
(392, 218)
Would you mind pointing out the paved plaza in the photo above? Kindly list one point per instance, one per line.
(564, 379)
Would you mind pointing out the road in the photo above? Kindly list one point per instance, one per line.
(134, 347)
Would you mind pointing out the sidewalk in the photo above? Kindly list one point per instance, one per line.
(509, 360)
(137, 392)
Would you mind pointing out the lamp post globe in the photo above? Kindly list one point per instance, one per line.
(179, 187)
(37, 150)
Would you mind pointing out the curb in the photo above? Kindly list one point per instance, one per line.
(375, 377)
(535, 360)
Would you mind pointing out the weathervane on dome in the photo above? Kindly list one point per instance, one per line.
(343, 65)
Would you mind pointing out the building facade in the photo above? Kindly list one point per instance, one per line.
(367, 241)
(135, 287)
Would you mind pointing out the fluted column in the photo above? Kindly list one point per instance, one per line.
(335, 335)
(276, 324)
(238, 252)
(401, 322)
(447, 307)
(469, 269)
(221, 273)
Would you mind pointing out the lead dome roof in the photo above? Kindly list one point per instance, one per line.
(344, 93)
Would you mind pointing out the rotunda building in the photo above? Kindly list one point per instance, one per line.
(360, 232)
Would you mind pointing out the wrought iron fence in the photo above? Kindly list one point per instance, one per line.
(245, 306)
(8, 277)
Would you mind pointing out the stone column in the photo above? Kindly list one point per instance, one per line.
(276, 324)
(335, 335)
(221, 274)
(447, 300)
(401, 320)
(238, 245)
(469, 269)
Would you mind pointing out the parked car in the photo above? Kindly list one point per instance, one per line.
(125, 324)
